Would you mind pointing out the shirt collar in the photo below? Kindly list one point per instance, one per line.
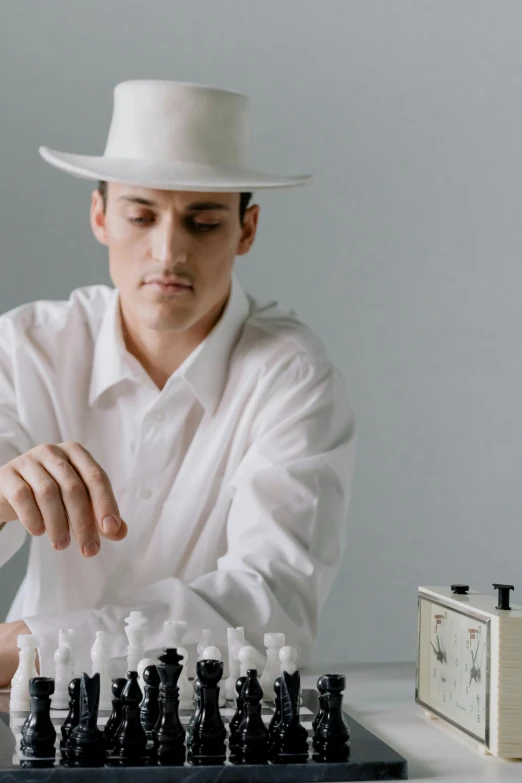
(205, 369)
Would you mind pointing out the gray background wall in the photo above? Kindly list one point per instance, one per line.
(404, 255)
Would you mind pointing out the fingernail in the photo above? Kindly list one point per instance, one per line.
(110, 524)
(63, 543)
(90, 548)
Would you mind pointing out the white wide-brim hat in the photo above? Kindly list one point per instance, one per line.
(174, 135)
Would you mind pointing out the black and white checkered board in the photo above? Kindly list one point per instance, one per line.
(370, 758)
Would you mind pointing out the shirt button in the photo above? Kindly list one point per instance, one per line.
(125, 567)
(159, 416)
(145, 493)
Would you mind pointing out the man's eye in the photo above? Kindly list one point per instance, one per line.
(205, 226)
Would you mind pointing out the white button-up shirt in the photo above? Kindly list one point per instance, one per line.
(234, 479)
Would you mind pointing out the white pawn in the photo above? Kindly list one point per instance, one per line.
(100, 665)
(67, 639)
(273, 643)
(63, 666)
(287, 658)
(235, 640)
(20, 699)
(206, 641)
(136, 631)
(247, 660)
(214, 654)
(173, 633)
(142, 665)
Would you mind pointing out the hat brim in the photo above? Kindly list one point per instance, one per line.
(167, 175)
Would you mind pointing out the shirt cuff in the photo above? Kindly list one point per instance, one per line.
(12, 536)
(46, 627)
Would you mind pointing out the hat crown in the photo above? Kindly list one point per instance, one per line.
(158, 120)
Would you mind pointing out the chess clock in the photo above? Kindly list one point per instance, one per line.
(469, 664)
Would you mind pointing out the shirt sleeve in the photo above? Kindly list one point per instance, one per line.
(285, 531)
(14, 440)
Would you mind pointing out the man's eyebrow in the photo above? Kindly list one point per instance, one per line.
(197, 206)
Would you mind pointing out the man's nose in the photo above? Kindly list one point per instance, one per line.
(169, 244)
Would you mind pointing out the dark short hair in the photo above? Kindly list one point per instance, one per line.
(243, 201)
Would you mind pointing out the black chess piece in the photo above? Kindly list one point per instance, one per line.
(38, 732)
(149, 708)
(193, 717)
(235, 722)
(116, 716)
(130, 740)
(252, 734)
(321, 687)
(332, 733)
(168, 734)
(208, 732)
(292, 738)
(275, 721)
(73, 715)
(86, 744)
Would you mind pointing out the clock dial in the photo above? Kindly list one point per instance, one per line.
(455, 661)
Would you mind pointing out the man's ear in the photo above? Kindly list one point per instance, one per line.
(249, 230)
(97, 217)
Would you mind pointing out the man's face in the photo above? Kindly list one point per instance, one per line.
(157, 235)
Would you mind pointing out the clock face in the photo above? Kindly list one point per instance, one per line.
(453, 666)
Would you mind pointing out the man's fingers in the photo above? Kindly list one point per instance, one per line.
(17, 501)
(105, 509)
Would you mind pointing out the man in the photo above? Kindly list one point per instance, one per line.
(171, 445)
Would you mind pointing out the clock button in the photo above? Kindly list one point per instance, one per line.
(460, 589)
(503, 595)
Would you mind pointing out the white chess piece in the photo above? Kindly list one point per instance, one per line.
(273, 643)
(288, 658)
(173, 633)
(63, 667)
(136, 631)
(68, 639)
(142, 665)
(20, 699)
(247, 660)
(214, 654)
(206, 641)
(235, 640)
(100, 665)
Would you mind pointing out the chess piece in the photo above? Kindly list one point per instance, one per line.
(136, 631)
(235, 640)
(100, 665)
(208, 731)
(19, 699)
(214, 654)
(73, 715)
(331, 735)
(291, 737)
(168, 734)
(116, 716)
(68, 639)
(247, 658)
(149, 707)
(206, 641)
(275, 721)
(63, 667)
(193, 717)
(173, 633)
(129, 744)
(86, 744)
(38, 732)
(321, 687)
(142, 665)
(273, 643)
(252, 734)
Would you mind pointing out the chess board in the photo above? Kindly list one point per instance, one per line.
(370, 758)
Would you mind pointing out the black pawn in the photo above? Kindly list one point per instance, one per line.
(252, 734)
(149, 708)
(73, 716)
(292, 737)
(194, 716)
(86, 744)
(332, 734)
(116, 716)
(38, 732)
(209, 733)
(276, 720)
(321, 687)
(168, 734)
(130, 740)
(235, 722)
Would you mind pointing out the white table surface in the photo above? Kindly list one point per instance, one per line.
(381, 697)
